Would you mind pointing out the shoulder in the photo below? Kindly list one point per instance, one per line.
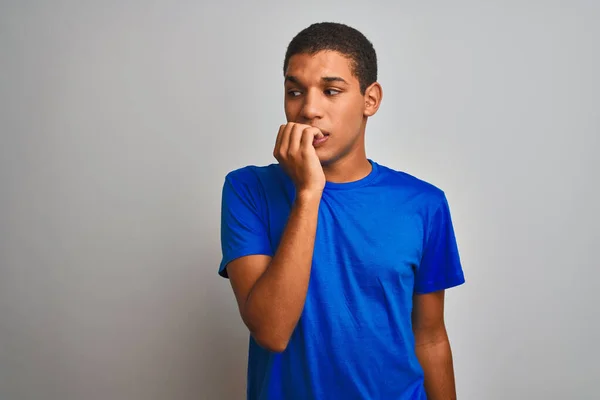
(257, 184)
(425, 192)
(253, 175)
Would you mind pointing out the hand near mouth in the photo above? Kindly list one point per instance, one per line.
(296, 153)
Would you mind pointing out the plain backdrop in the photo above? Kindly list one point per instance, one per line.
(120, 119)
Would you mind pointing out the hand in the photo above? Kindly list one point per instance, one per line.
(295, 152)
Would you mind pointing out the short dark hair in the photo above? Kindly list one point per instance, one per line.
(342, 38)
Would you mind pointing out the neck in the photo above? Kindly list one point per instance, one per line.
(351, 168)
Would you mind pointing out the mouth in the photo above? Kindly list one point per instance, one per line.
(319, 141)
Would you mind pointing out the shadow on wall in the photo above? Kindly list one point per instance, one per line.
(203, 349)
(223, 355)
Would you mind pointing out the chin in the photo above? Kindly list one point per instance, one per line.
(325, 158)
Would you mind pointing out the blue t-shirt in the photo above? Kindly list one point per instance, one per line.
(379, 241)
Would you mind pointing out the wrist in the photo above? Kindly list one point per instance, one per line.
(308, 196)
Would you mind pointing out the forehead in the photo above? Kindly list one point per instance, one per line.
(312, 67)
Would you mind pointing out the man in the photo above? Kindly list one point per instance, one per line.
(338, 264)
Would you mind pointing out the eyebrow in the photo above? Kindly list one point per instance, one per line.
(333, 79)
(293, 79)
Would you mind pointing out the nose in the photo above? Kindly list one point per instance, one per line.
(312, 108)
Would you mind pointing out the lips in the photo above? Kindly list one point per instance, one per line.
(318, 141)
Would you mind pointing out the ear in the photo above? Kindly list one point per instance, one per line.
(373, 97)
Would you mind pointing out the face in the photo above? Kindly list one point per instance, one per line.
(321, 91)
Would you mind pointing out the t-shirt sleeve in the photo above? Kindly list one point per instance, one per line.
(243, 231)
(440, 266)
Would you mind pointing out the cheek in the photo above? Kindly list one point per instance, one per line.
(351, 114)
(290, 110)
(288, 114)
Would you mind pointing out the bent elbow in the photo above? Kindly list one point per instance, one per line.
(273, 337)
(272, 343)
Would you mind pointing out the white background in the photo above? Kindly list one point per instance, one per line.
(120, 119)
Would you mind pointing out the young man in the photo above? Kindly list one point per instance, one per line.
(338, 264)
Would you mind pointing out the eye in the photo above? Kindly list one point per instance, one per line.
(332, 92)
(294, 93)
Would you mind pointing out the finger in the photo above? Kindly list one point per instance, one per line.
(295, 137)
(308, 135)
(285, 139)
(278, 141)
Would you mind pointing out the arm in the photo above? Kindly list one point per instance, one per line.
(271, 292)
(432, 346)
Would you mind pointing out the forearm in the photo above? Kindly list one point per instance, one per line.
(276, 301)
(435, 356)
